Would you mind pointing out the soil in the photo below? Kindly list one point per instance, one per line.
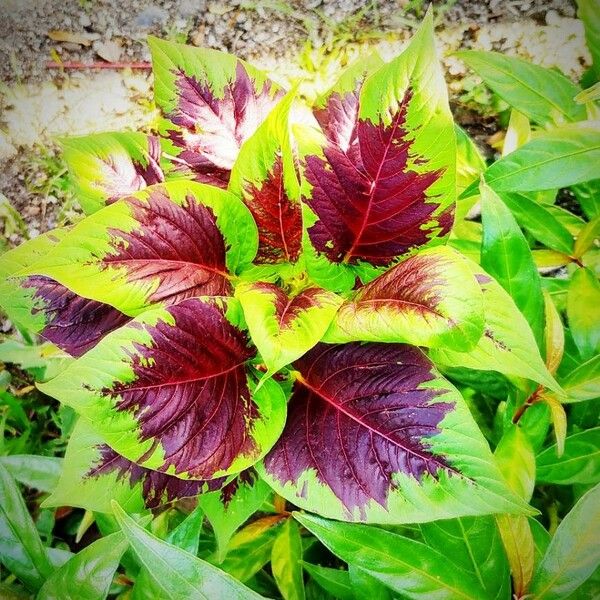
(268, 32)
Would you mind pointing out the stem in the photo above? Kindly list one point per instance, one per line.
(535, 397)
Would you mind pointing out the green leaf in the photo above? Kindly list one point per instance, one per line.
(88, 574)
(589, 14)
(554, 159)
(587, 237)
(583, 312)
(469, 160)
(286, 556)
(407, 566)
(177, 573)
(474, 545)
(541, 539)
(506, 256)
(539, 222)
(335, 581)
(544, 95)
(507, 345)
(21, 549)
(38, 472)
(367, 586)
(285, 327)
(580, 462)
(588, 196)
(573, 553)
(226, 515)
(584, 382)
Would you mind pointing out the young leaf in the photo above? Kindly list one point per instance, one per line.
(164, 397)
(544, 95)
(335, 581)
(88, 574)
(211, 103)
(264, 177)
(554, 338)
(390, 185)
(93, 475)
(580, 462)
(282, 327)
(161, 245)
(559, 421)
(38, 472)
(507, 344)
(558, 158)
(469, 160)
(506, 256)
(228, 508)
(108, 166)
(587, 237)
(285, 561)
(430, 299)
(385, 406)
(573, 553)
(21, 549)
(177, 573)
(406, 566)
(539, 222)
(583, 312)
(472, 544)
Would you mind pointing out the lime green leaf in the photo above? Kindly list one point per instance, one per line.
(177, 573)
(584, 382)
(544, 95)
(87, 575)
(21, 549)
(587, 237)
(407, 566)
(38, 472)
(588, 13)
(282, 327)
(580, 462)
(583, 312)
(554, 338)
(335, 581)
(286, 566)
(506, 256)
(469, 160)
(573, 553)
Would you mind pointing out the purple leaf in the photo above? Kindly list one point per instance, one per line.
(358, 414)
(73, 323)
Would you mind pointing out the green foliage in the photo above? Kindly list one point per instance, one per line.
(255, 328)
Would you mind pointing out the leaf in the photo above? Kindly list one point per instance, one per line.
(518, 132)
(93, 475)
(21, 549)
(558, 158)
(160, 245)
(367, 586)
(177, 573)
(211, 103)
(264, 177)
(588, 236)
(588, 13)
(469, 160)
(390, 186)
(517, 462)
(161, 396)
(544, 95)
(580, 462)
(583, 312)
(559, 421)
(554, 338)
(588, 196)
(335, 581)
(406, 566)
(38, 472)
(430, 299)
(573, 553)
(583, 382)
(230, 507)
(286, 558)
(109, 166)
(88, 574)
(382, 406)
(283, 327)
(539, 222)
(505, 255)
(472, 544)
(507, 344)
